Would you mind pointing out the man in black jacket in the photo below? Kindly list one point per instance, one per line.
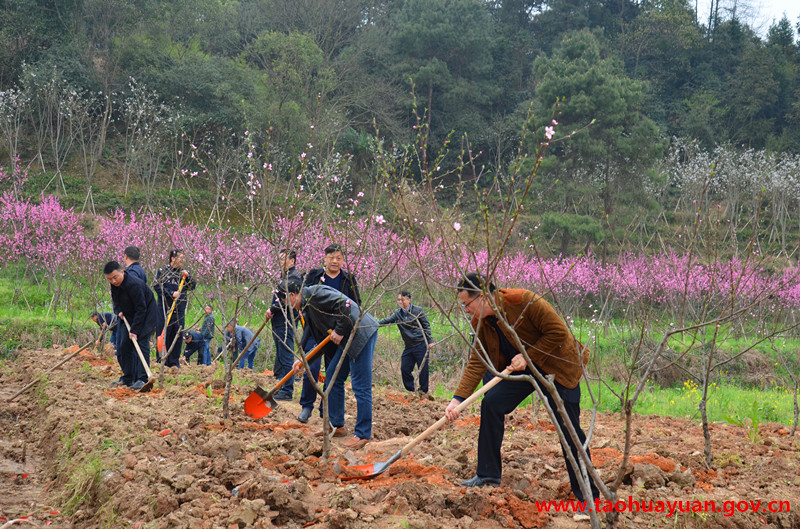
(354, 332)
(333, 276)
(283, 327)
(136, 302)
(130, 260)
(166, 284)
(416, 333)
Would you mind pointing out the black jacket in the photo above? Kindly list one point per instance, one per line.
(167, 281)
(349, 285)
(136, 270)
(413, 324)
(197, 343)
(133, 299)
(326, 308)
(279, 318)
(109, 319)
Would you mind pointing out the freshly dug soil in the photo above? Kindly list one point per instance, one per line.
(76, 454)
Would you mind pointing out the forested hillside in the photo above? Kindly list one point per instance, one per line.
(646, 105)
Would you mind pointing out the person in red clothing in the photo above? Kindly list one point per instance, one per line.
(548, 343)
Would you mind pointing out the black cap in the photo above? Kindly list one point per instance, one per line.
(290, 285)
(187, 335)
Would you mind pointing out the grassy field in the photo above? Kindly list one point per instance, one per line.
(26, 320)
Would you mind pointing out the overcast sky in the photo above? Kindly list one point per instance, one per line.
(759, 14)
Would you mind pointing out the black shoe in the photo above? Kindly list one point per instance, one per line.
(478, 481)
(136, 386)
(118, 383)
(283, 396)
(305, 414)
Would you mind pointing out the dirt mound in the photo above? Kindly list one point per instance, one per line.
(75, 453)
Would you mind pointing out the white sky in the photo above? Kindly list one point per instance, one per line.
(759, 14)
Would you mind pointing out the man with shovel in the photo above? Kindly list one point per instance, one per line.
(171, 285)
(334, 276)
(354, 334)
(107, 322)
(133, 300)
(550, 346)
(242, 337)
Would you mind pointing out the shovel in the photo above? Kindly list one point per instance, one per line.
(259, 403)
(375, 469)
(150, 380)
(246, 347)
(160, 346)
(36, 380)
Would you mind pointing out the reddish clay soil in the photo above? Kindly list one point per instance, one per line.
(75, 453)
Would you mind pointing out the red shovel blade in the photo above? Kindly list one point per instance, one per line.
(371, 470)
(255, 406)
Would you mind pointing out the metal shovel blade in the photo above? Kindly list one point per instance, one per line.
(259, 403)
(372, 470)
(148, 386)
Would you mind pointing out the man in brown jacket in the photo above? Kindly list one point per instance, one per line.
(551, 347)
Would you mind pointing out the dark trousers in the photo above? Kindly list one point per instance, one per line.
(175, 324)
(199, 348)
(132, 368)
(502, 400)
(284, 358)
(308, 396)
(415, 356)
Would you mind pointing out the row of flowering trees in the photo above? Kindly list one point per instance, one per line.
(52, 242)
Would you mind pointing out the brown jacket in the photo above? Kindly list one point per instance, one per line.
(547, 340)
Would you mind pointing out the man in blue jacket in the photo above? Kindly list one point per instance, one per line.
(354, 335)
(243, 336)
(334, 276)
(136, 302)
(107, 323)
(194, 344)
(416, 333)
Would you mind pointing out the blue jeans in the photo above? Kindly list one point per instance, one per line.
(284, 345)
(360, 371)
(308, 396)
(250, 355)
(207, 353)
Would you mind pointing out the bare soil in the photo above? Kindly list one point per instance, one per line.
(76, 454)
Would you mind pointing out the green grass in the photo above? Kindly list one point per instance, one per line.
(726, 403)
(82, 486)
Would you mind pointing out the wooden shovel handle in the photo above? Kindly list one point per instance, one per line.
(175, 301)
(311, 354)
(247, 347)
(138, 350)
(36, 380)
(441, 422)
